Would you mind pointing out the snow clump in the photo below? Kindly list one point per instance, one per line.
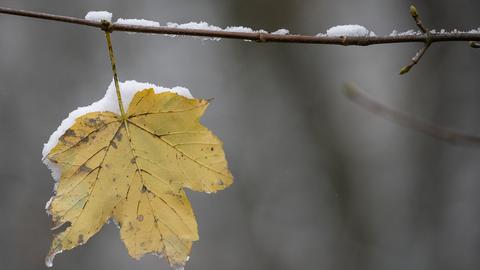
(98, 16)
(350, 30)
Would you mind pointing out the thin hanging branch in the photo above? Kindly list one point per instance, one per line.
(406, 120)
(256, 36)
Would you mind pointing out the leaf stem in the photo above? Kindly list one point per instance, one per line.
(106, 28)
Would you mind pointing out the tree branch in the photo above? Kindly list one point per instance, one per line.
(259, 37)
(407, 120)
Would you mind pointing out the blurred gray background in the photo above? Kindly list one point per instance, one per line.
(319, 182)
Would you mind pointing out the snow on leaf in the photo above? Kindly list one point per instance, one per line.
(134, 170)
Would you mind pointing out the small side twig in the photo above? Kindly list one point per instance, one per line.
(415, 59)
(423, 50)
(408, 121)
(416, 17)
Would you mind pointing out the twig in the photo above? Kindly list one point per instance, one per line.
(409, 121)
(259, 37)
(416, 17)
(415, 59)
(428, 41)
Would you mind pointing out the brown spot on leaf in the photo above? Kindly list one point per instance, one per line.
(62, 139)
(91, 122)
(118, 136)
(94, 122)
(80, 239)
(211, 149)
(113, 144)
(70, 133)
(84, 168)
(133, 160)
(144, 189)
(140, 218)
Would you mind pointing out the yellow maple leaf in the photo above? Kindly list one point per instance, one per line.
(133, 169)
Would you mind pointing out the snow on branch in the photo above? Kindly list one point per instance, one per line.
(245, 33)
